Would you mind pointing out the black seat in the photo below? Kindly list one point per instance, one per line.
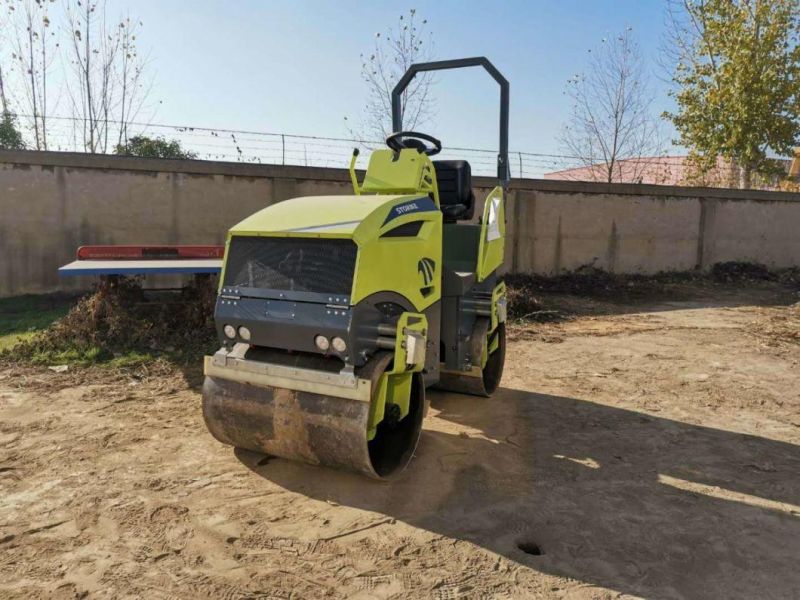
(454, 179)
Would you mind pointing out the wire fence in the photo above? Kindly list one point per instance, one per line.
(65, 134)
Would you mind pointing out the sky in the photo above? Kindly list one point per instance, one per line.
(293, 67)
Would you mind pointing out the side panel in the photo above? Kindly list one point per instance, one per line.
(493, 234)
(410, 266)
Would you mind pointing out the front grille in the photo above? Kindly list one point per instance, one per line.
(323, 266)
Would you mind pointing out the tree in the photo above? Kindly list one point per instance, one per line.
(394, 52)
(611, 125)
(33, 43)
(10, 137)
(130, 74)
(107, 88)
(147, 147)
(737, 82)
(4, 104)
(84, 55)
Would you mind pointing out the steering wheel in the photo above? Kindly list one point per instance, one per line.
(415, 140)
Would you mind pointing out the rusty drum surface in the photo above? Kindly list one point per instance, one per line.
(312, 428)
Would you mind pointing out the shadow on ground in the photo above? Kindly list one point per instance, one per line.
(557, 307)
(616, 498)
(592, 291)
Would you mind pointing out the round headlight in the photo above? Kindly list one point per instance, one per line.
(339, 344)
(244, 333)
(322, 343)
(230, 331)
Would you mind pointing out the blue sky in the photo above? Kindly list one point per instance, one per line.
(294, 66)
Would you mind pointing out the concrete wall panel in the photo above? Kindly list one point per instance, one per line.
(631, 234)
(764, 232)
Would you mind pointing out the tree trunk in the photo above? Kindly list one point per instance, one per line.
(734, 175)
(3, 103)
(32, 73)
(745, 177)
(43, 102)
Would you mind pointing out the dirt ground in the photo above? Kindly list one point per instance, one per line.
(647, 450)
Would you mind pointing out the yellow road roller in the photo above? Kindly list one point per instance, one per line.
(335, 313)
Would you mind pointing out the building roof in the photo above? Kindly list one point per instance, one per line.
(661, 170)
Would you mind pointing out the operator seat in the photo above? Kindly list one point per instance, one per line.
(454, 180)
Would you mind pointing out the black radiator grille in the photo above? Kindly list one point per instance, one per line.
(323, 266)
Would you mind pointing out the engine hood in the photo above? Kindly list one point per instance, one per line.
(357, 217)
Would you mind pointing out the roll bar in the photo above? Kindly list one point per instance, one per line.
(503, 173)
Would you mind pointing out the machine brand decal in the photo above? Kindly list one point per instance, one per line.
(413, 206)
(426, 267)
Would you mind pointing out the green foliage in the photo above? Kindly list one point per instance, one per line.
(738, 83)
(10, 137)
(147, 147)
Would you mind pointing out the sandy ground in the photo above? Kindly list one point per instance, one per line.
(647, 450)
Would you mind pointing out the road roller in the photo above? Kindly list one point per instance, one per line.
(336, 313)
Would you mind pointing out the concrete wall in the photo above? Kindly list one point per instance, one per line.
(50, 203)
(626, 228)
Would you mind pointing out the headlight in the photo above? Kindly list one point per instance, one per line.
(339, 344)
(322, 343)
(244, 333)
(230, 331)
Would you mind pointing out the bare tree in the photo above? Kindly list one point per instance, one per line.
(4, 26)
(107, 89)
(3, 100)
(92, 53)
(33, 43)
(396, 50)
(130, 73)
(612, 131)
(10, 137)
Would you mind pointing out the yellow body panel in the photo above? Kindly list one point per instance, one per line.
(394, 386)
(334, 216)
(493, 234)
(406, 171)
(392, 263)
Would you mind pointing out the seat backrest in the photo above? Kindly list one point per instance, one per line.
(454, 180)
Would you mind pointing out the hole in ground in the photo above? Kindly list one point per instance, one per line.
(264, 460)
(531, 548)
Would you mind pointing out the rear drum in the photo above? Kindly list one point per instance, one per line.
(489, 379)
